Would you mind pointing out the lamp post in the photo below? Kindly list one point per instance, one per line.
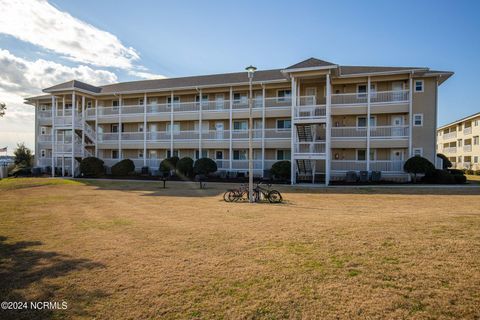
(251, 70)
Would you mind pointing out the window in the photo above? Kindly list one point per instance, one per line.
(115, 103)
(43, 107)
(140, 127)
(140, 101)
(476, 140)
(176, 127)
(89, 104)
(204, 98)
(43, 130)
(418, 152)
(114, 154)
(460, 159)
(284, 124)
(175, 153)
(240, 125)
(176, 100)
(239, 154)
(284, 95)
(418, 85)
(204, 154)
(114, 127)
(283, 154)
(240, 98)
(475, 159)
(418, 120)
(362, 90)
(362, 121)
(476, 123)
(362, 154)
(43, 153)
(140, 153)
(459, 142)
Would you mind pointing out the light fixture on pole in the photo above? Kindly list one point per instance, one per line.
(251, 70)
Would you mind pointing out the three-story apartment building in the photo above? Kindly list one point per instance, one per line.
(459, 142)
(326, 118)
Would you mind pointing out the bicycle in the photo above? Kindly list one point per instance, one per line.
(273, 196)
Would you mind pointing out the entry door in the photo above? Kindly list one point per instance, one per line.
(397, 88)
(311, 94)
(397, 159)
(219, 130)
(153, 131)
(219, 158)
(397, 124)
(219, 101)
(257, 100)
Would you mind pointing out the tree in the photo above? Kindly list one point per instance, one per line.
(416, 165)
(204, 166)
(23, 155)
(445, 162)
(3, 108)
(185, 166)
(91, 167)
(281, 170)
(123, 168)
(168, 165)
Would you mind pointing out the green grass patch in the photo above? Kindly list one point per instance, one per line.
(22, 183)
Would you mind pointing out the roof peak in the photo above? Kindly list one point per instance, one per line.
(311, 63)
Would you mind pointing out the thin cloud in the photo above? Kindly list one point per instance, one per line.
(40, 23)
(145, 75)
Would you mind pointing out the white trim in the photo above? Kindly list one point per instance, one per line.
(421, 119)
(309, 69)
(367, 120)
(415, 86)
(283, 99)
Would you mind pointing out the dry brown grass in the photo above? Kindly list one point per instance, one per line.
(118, 250)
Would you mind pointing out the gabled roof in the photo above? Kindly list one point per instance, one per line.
(74, 84)
(475, 115)
(348, 70)
(311, 63)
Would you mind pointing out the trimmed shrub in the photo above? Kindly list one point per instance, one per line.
(185, 166)
(445, 162)
(455, 171)
(204, 166)
(281, 170)
(167, 165)
(477, 172)
(91, 167)
(460, 179)
(123, 168)
(439, 176)
(418, 165)
(469, 171)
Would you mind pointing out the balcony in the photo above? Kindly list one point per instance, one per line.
(450, 135)
(375, 165)
(45, 138)
(450, 150)
(308, 108)
(377, 132)
(380, 97)
(467, 130)
(310, 150)
(467, 148)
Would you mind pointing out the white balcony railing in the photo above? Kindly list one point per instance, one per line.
(309, 148)
(450, 135)
(386, 165)
(376, 97)
(467, 130)
(377, 132)
(348, 165)
(375, 165)
(467, 148)
(349, 132)
(45, 138)
(450, 150)
(45, 114)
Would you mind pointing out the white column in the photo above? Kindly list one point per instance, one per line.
(74, 110)
(200, 124)
(293, 133)
(328, 151)
(230, 152)
(96, 127)
(368, 123)
(37, 158)
(83, 126)
(54, 136)
(410, 115)
(171, 124)
(145, 129)
(120, 157)
(263, 129)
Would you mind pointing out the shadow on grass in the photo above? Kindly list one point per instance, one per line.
(24, 269)
(213, 189)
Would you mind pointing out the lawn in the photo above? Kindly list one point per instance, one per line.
(132, 250)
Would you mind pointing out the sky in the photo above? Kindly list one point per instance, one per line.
(48, 42)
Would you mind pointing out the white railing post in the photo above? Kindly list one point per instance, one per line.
(171, 124)
(263, 129)
(83, 126)
(292, 141)
(200, 130)
(74, 109)
(368, 122)
(328, 151)
(145, 129)
(230, 152)
(120, 157)
(96, 128)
